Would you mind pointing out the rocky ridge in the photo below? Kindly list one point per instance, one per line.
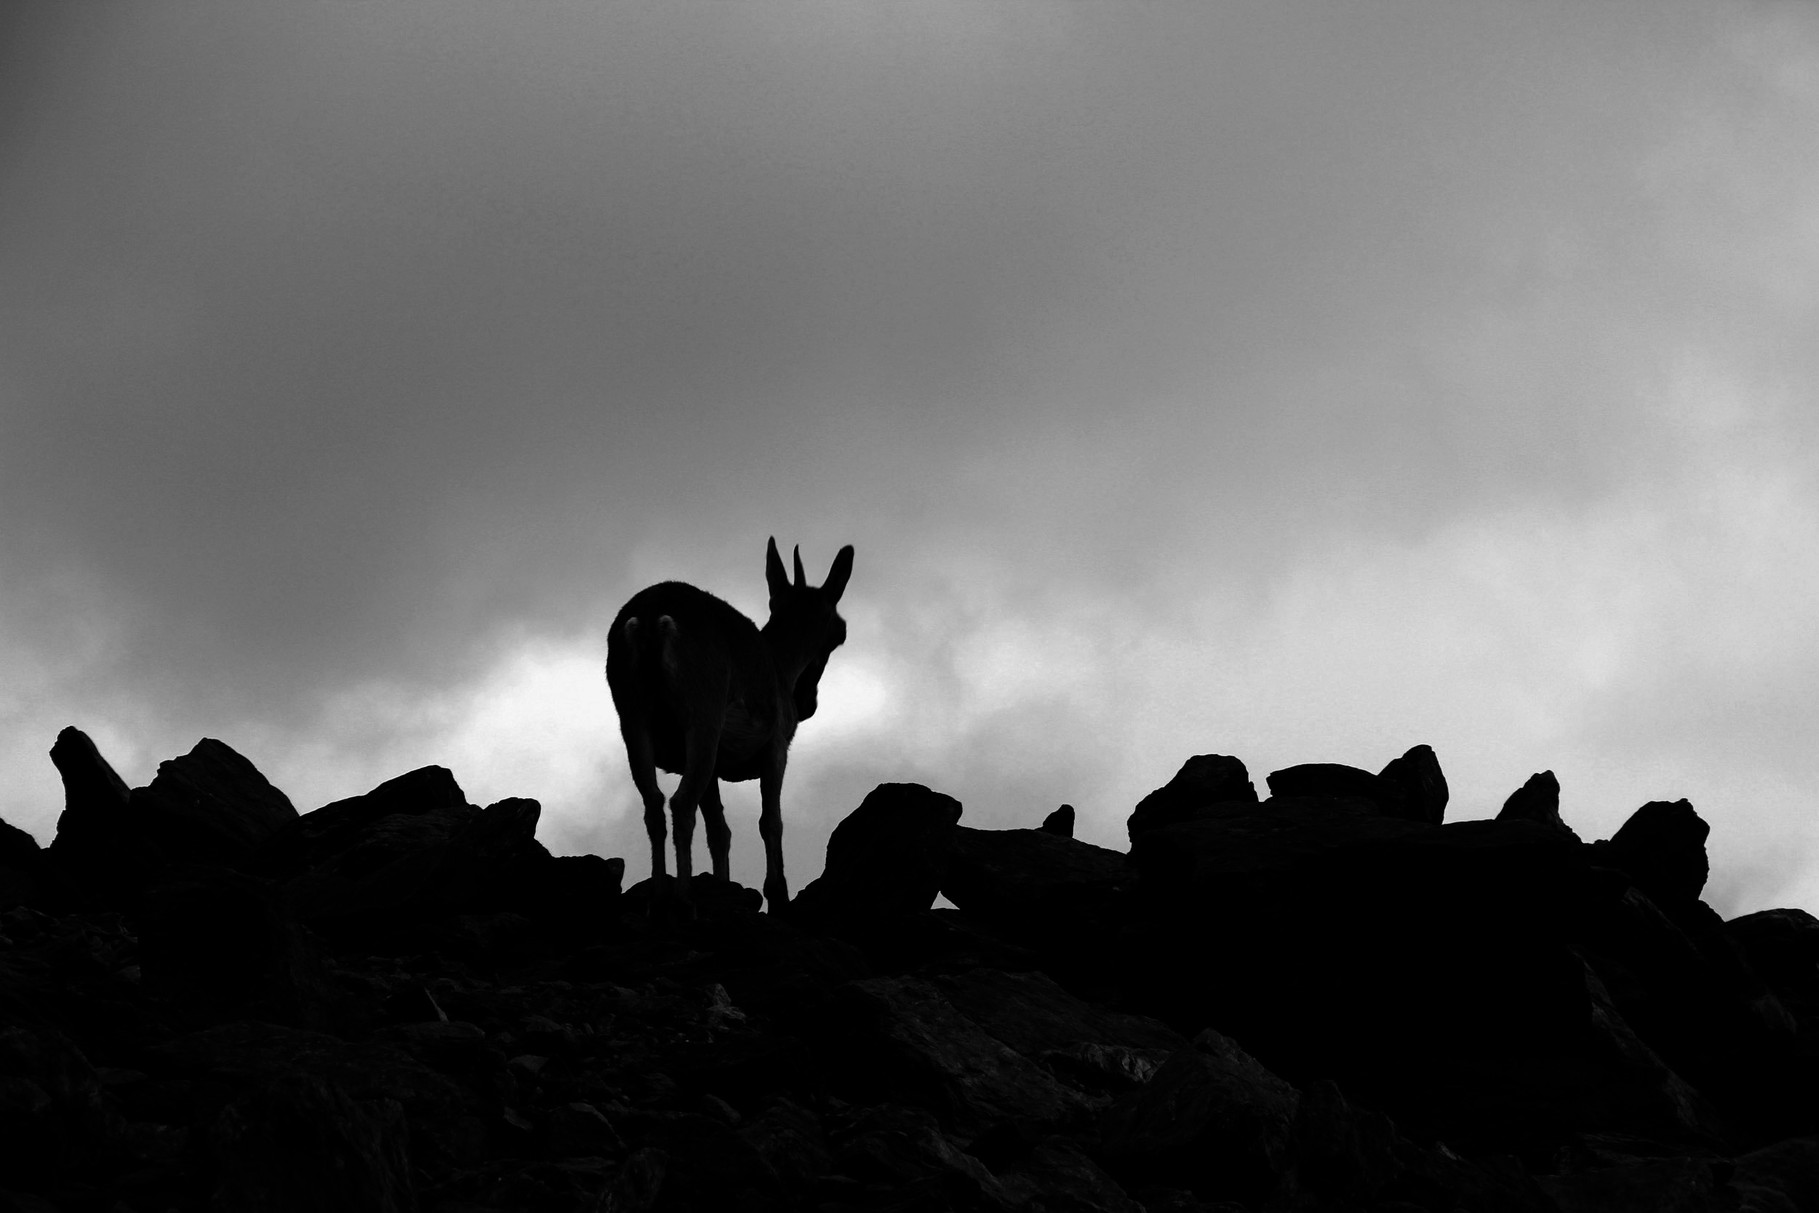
(1326, 999)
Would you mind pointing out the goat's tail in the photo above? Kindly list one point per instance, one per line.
(650, 649)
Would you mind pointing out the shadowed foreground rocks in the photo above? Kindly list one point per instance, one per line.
(1329, 999)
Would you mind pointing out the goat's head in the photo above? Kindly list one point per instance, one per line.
(803, 623)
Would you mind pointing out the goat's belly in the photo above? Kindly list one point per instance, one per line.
(740, 756)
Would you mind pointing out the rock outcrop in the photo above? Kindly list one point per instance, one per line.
(1328, 1000)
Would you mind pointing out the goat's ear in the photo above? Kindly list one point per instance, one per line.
(774, 576)
(835, 585)
(801, 577)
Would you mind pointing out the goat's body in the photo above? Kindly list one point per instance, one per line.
(656, 671)
(706, 694)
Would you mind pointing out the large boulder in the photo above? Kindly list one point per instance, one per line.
(28, 876)
(1536, 800)
(1662, 847)
(314, 839)
(1415, 786)
(211, 805)
(1204, 782)
(899, 1039)
(1213, 1120)
(208, 806)
(887, 856)
(98, 842)
(409, 868)
(1429, 969)
(1332, 780)
(1782, 946)
(1041, 889)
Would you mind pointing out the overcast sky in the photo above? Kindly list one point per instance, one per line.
(1299, 382)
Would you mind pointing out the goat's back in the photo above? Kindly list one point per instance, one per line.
(708, 650)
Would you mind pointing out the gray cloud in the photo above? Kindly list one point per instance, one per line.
(346, 357)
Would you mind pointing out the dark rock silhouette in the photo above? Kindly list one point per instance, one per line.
(1536, 800)
(1330, 1000)
(1330, 779)
(1061, 821)
(1662, 847)
(888, 855)
(1203, 783)
(1416, 786)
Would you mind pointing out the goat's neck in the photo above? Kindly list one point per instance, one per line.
(789, 656)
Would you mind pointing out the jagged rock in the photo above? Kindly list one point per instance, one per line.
(710, 1166)
(790, 1140)
(1204, 781)
(1657, 1185)
(1684, 985)
(1033, 1015)
(406, 869)
(97, 840)
(319, 837)
(211, 805)
(27, 875)
(1662, 847)
(1333, 780)
(887, 856)
(904, 1040)
(301, 1143)
(1212, 1119)
(1041, 888)
(636, 1186)
(1782, 1176)
(903, 1150)
(1428, 968)
(1416, 786)
(1536, 800)
(1059, 1176)
(1061, 822)
(1783, 947)
(1657, 1100)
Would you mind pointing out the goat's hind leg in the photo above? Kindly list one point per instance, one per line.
(702, 750)
(639, 754)
(719, 837)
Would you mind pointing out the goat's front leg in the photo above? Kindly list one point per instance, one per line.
(770, 828)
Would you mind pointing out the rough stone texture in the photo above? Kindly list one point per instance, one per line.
(1204, 782)
(1212, 1119)
(1662, 847)
(1415, 786)
(917, 1045)
(887, 856)
(300, 1144)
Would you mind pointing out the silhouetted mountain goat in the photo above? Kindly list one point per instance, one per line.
(704, 693)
